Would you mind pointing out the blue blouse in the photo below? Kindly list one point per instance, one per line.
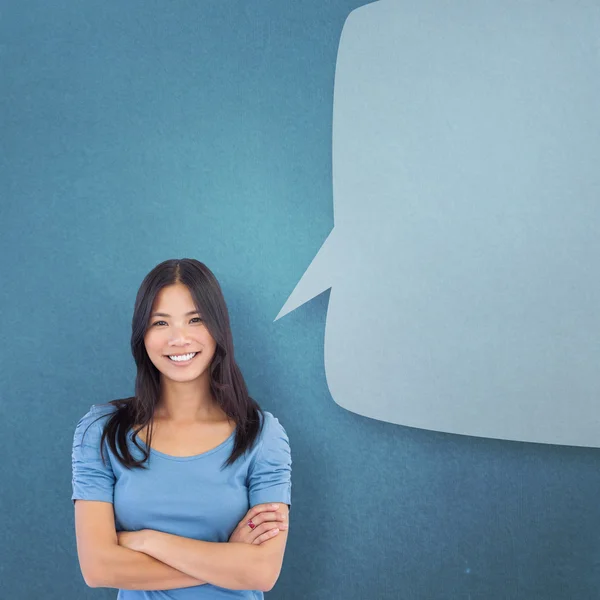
(187, 496)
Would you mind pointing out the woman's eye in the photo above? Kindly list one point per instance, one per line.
(194, 319)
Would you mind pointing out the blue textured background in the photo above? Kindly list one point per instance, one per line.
(139, 131)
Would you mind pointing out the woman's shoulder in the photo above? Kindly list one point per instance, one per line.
(272, 431)
(94, 420)
(273, 453)
(269, 421)
(98, 412)
(104, 409)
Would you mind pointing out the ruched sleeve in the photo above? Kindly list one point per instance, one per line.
(92, 479)
(270, 474)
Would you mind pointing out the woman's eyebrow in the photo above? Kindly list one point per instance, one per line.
(159, 314)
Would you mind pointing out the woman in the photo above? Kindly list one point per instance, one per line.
(185, 486)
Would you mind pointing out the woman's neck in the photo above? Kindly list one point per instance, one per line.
(187, 402)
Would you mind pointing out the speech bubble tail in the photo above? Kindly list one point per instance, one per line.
(316, 278)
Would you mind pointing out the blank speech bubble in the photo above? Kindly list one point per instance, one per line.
(463, 263)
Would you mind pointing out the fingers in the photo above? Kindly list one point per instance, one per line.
(266, 536)
(267, 524)
(260, 508)
(265, 512)
(265, 519)
(266, 531)
(258, 514)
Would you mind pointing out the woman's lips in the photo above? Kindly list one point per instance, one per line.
(182, 363)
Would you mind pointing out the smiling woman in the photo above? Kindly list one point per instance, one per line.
(165, 342)
(172, 487)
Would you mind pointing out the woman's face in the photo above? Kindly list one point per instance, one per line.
(178, 331)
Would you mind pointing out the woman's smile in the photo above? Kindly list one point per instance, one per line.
(182, 359)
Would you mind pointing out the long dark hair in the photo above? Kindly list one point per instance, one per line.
(226, 381)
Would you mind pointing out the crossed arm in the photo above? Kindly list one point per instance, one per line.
(153, 560)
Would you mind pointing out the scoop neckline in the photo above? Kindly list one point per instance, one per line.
(185, 458)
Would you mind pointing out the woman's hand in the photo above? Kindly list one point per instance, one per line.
(268, 523)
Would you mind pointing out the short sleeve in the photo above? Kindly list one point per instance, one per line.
(270, 474)
(92, 479)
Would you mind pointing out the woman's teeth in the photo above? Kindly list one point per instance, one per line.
(183, 357)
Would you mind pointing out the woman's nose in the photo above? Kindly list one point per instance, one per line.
(178, 334)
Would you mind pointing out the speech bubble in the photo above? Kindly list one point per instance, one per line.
(463, 262)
